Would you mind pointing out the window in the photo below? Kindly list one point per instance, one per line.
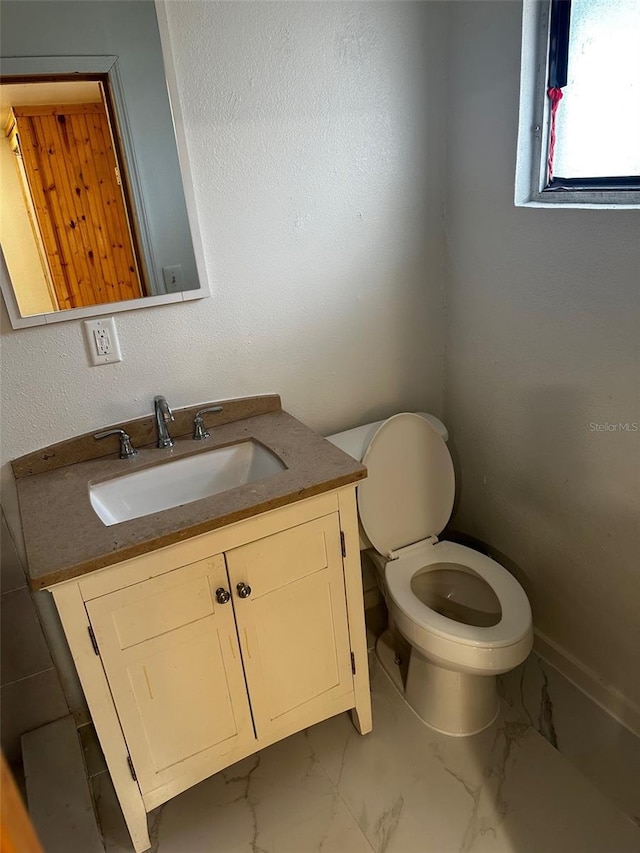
(579, 141)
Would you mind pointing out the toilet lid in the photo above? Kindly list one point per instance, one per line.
(410, 486)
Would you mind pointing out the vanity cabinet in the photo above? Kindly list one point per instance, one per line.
(201, 653)
(171, 657)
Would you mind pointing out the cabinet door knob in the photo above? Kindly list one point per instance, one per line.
(222, 596)
(244, 591)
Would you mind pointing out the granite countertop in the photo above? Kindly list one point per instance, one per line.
(64, 538)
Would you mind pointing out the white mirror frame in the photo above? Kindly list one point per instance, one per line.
(19, 66)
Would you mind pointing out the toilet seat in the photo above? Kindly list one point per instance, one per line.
(515, 623)
(410, 486)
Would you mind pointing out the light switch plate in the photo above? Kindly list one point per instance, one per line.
(173, 278)
(101, 338)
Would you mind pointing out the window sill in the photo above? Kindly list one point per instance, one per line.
(583, 200)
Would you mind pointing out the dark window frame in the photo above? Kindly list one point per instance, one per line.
(559, 35)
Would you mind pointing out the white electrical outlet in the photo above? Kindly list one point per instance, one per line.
(101, 337)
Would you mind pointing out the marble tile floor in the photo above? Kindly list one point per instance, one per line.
(600, 747)
(401, 789)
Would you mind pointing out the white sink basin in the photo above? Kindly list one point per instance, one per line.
(182, 481)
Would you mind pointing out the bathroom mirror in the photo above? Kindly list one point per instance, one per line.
(96, 206)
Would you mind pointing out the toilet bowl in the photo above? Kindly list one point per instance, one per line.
(465, 618)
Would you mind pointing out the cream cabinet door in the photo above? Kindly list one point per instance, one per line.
(293, 626)
(171, 657)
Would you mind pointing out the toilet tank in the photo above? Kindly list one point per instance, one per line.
(355, 442)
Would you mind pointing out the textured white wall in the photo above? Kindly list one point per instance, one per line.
(316, 137)
(544, 312)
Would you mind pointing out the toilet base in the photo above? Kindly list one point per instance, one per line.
(453, 703)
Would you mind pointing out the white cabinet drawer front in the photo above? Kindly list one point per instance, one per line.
(273, 562)
(180, 600)
(179, 689)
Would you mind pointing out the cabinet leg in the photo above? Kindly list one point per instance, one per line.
(361, 717)
(361, 714)
(73, 616)
(136, 820)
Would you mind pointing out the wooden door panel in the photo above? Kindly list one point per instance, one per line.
(171, 657)
(39, 179)
(59, 200)
(71, 168)
(293, 628)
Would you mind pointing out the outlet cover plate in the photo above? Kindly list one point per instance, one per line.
(101, 338)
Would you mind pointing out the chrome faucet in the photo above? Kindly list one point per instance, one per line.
(163, 416)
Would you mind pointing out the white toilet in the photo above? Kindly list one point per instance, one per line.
(464, 616)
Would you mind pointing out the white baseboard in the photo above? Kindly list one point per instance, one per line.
(607, 697)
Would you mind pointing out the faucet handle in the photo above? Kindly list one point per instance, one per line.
(127, 450)
(199, 431)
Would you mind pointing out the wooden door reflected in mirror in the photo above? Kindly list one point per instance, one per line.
(74, 244)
